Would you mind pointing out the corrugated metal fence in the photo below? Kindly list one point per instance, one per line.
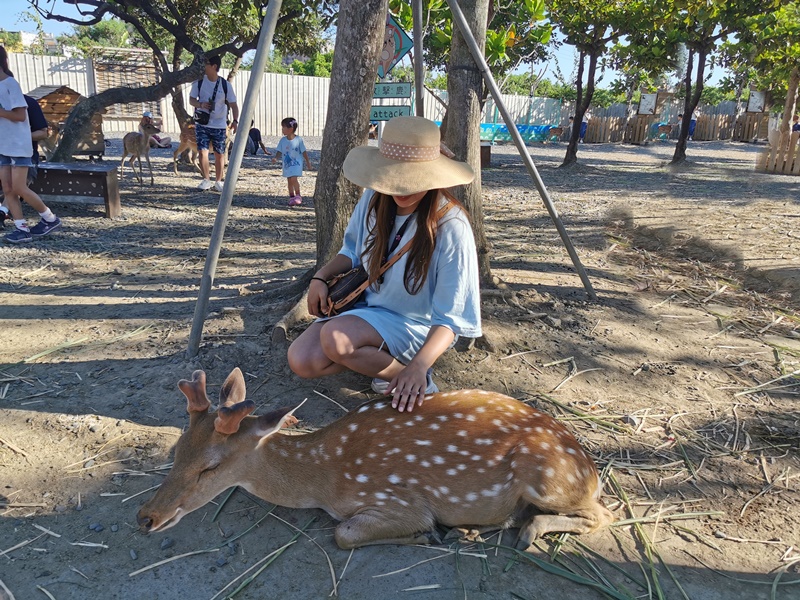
(306, 99)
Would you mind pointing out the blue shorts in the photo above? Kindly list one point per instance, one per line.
(212, 136)
(15, 161)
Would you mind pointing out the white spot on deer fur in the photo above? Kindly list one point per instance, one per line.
(434, 426)
(380, 405)
(559, 448)
(524, 450)
(451, 472)
(362, 478)
(571, 451)
(550, 472)
(352, 426)
(339, 451)
(464, 452)
(477, 457)
(497, 422)
(418, 418)
(484, 441)
(452, 448)
(471, 497)
(422, 442)
(544, 445)
(539, 429)
(442, 418)
(462, 433)
(454, 499)
(563, 461)
(393, 451)
(348, 476)
(571, 478)
(532, 492)
(359, 461)
(438, 460)
(444, 489)
(380, 503)
(362, 493)
(395, 479)
(413, 481)
(390, 420)
(283, 453)
(481, 409)
(363, 409)
(381, 496)
(371, 455)
(410, 458)
(461, 467)
(425, 464)
(374, 430)
(344, 439)
(472, 418)
(458, 415)
(400, 501)
(481, 470)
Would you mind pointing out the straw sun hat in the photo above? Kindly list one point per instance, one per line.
(408, 160)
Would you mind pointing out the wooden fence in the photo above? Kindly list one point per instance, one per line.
(783, 157)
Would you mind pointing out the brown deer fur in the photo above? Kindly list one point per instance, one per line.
(468, 457)
(138, 145)
(188, 141)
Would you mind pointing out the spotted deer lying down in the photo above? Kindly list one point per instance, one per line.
(466, 458)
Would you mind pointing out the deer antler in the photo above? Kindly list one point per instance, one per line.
(230, 417)
(195, 392)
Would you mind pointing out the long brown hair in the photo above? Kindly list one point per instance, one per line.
(4, 62)
(420, 254)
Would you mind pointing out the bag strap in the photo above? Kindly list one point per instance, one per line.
(395, 257)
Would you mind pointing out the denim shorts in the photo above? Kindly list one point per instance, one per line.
(210, 135)
(15, 161)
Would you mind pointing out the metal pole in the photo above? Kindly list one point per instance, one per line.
(419, 68)
(477, 55)
(232, 174)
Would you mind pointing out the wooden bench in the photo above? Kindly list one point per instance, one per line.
(80, 182)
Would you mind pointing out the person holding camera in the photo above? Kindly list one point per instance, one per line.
(419, 306)
(210, 96)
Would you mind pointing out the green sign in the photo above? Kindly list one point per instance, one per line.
(384, 113)
(392, 90)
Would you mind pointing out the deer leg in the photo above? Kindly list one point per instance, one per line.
(122, 164)
(139, 160)
(473, 534)
(581, 521)
(175, 158)
(149, 166)
(371, 527)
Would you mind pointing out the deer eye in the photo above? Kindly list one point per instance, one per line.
(208, 469)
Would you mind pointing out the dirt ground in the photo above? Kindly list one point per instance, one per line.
(681, 380)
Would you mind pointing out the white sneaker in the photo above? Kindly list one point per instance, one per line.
(218, 185)
(205, 185)
(381, 386)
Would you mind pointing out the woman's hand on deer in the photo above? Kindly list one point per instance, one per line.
(408, 387)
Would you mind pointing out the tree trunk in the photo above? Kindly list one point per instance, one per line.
(582, 102)
(465, 94)
(80, 117)
(693, 94)
(359, 39)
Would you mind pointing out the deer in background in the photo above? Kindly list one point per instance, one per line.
(469, 457)
(188, 141)
(138, 144)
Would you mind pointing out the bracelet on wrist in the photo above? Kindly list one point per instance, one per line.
(325, 281)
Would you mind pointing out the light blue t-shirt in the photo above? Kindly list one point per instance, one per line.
(292, 156)
(450, 295)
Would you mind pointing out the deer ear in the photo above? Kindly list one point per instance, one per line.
(230, 417)
(274, 420)
(233, 391)
(195, 392)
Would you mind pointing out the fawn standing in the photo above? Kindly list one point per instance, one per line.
(188, 141)
(138, 144)
(469, 457)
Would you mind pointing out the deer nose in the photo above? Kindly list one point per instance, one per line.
(145, 522)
